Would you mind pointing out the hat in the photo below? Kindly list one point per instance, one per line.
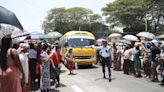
(24, 45)
(103, 40)
(70, 48)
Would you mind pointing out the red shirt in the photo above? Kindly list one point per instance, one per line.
(56, 58)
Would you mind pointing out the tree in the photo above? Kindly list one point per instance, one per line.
(132, 14)
(76, 18)
(56, 21)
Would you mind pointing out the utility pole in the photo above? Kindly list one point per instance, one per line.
(146, 25)
(79, 28)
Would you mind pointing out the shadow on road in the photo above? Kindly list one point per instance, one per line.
(87, 67)
(62, 85)
(54, 90)
(72, 74)
(63, 71)
(104, 79)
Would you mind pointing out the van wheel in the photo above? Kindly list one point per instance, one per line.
(76, 66)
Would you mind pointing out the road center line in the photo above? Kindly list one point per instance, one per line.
(77, 89)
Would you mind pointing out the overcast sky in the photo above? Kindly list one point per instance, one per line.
(31, 13)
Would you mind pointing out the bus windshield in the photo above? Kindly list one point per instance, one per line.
(80, 42)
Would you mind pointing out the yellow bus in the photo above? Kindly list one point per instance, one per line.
(81, 43)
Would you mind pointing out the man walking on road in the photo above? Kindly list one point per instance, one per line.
(106, 58)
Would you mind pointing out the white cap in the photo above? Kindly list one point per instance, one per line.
(24, 45)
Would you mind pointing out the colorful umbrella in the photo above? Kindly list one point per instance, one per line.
(115, 35)
(146, 35)
(131, 38)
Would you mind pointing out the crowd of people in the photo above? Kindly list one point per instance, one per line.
(24, 64)
(141, 60)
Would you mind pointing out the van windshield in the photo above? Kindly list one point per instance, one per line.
(80, 42)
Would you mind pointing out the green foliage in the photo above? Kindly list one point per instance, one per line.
(56, 20)
(76, 18)
(132, 14)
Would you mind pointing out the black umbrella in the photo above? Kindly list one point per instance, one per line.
(8, 17)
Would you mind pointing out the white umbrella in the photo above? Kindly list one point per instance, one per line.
(146, 35)
(53, 35)
(99, 41)
(131, 38)
(160, 36)
(154, 41)
(115, 35)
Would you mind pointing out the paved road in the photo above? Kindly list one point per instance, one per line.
(90, 80)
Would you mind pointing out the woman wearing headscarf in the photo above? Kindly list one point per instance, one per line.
(23, 56)
(11, 71)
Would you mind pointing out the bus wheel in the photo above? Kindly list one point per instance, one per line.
(76, 66)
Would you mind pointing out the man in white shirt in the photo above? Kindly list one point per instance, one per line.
(131, 58)
(106, 58)
(126, 56)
